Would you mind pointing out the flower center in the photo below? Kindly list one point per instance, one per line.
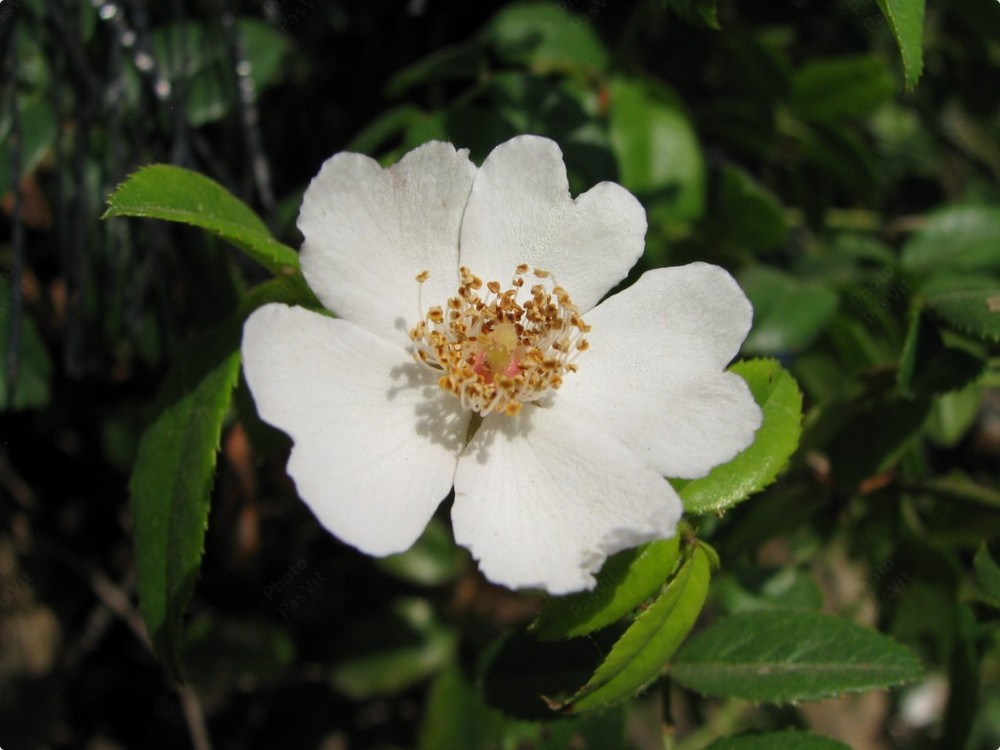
(494, 352)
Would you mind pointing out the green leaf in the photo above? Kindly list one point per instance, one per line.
(727, 484)
(781, 657)
(196, 59)
(789, 313)
(658, 153)
(32, 389)
(171, 193)
(457, 62)
(975, 312)
(746, 214)
(703, 11)
(394, 652)
(906, 17)
(603, 730)
(222, 652)
(37, 132)
(790, 739)
(987, 574)
(432, 560)
(456, 717)
(626, 580)
(172, 479)
(868, 435)
(956, 239)
(546, 38)
(527, 678)
(835, 89)
(762, 588)
(639, 655)
(952, 414)
(927, 366)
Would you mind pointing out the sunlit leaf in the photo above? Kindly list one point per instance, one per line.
(626, 580)
(906, 17)
(727, 484)
(171, 193)
(640, 654)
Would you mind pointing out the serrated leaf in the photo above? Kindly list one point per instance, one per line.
(172, 480)
(626, 580)
(906, 18)
(639, 655)
(956, 239)
(790, 739)
(975, 312)
(780, 657)
(162, 191)
(727, 484)
(788, 312)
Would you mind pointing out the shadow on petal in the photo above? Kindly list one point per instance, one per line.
(438, 417)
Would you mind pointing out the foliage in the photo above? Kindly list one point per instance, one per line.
(840, 159)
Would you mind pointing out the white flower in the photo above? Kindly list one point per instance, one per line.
(554, 418)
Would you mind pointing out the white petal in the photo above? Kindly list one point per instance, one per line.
(376, 441)
(653, 375)
(520, 211)
(369, 231)
(542, 498)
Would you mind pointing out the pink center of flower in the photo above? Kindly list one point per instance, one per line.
(494, 352)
